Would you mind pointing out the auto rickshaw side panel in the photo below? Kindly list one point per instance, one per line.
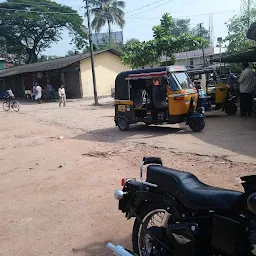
(222, 91)
(179, 101)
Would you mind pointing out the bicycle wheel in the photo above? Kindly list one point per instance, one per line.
(6, 106)
(16, 106)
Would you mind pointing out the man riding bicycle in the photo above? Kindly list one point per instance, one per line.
(9, 95)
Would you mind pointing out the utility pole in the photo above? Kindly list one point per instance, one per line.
(200, 26)
(220, 46)
(211, 30)
(96, 102)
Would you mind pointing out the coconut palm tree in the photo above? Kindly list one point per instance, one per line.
(108, 12)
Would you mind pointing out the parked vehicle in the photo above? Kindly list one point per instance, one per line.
(176, 214)
(216, 88)
(157, 96)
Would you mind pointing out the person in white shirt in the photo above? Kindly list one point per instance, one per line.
(38, 93)
(62, 95)
(247, 81)
(10, 95)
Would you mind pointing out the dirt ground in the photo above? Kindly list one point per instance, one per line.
(60, 166)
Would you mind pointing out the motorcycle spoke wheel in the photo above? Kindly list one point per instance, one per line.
(145, 241)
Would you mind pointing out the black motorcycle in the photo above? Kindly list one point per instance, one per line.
(178, 215)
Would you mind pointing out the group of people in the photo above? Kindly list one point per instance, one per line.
(247, 81)
(37, 93)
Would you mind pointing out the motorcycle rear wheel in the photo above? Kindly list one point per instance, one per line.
(141, 240)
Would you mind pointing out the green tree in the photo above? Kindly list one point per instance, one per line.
(170, 38)
(72, 53)
(180, 27)
(200, 31)
(164, 43)
(30, 27)
(237, 29)
(168, 25)
(139, 54)
(47, 57)
(108, 12)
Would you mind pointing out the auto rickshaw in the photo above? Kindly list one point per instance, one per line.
(157, 96)
(215, 88)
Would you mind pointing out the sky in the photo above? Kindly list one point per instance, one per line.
(141, 19)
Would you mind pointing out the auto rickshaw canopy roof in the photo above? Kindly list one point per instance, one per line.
(203, 70)
(121, 83)
(249, 56)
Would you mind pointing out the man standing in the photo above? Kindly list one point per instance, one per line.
(38, 93)
(246, 81)
(62, 95)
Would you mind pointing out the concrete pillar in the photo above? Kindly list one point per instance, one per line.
(81, 84)
(62, 75)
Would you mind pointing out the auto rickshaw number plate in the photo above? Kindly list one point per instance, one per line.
(121, 108)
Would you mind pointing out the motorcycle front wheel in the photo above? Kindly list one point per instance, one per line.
(143, 243)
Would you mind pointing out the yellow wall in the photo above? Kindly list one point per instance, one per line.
(107, 67)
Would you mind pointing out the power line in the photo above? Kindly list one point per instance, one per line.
(151, 8)
(129, 17)
(142, 7)
(195, 15)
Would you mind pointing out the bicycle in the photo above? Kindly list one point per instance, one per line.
(7, 105)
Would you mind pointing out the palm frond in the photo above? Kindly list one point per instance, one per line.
(108, 11)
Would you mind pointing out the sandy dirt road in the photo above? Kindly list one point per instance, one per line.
(56, 194)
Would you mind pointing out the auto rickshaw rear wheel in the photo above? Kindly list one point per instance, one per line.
(196, 124)
(122, 124)
(230, 108)
(254, 107)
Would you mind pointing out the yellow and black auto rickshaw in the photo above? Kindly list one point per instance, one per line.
(215, 88)
(157, 96)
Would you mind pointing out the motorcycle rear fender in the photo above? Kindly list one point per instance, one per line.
(142, 198)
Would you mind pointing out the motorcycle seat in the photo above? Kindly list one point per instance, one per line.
(191, 192)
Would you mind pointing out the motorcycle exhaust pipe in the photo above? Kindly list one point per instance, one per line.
(118, 250)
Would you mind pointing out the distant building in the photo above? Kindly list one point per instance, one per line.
(74, 72)
(192, 58)
(195, 58)
(101, 39)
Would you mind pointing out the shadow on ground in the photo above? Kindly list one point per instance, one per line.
(233, 133)
(114, 135)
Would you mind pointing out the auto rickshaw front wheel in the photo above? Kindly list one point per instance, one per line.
(122, 124)
(196, 124)
(230, 108)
